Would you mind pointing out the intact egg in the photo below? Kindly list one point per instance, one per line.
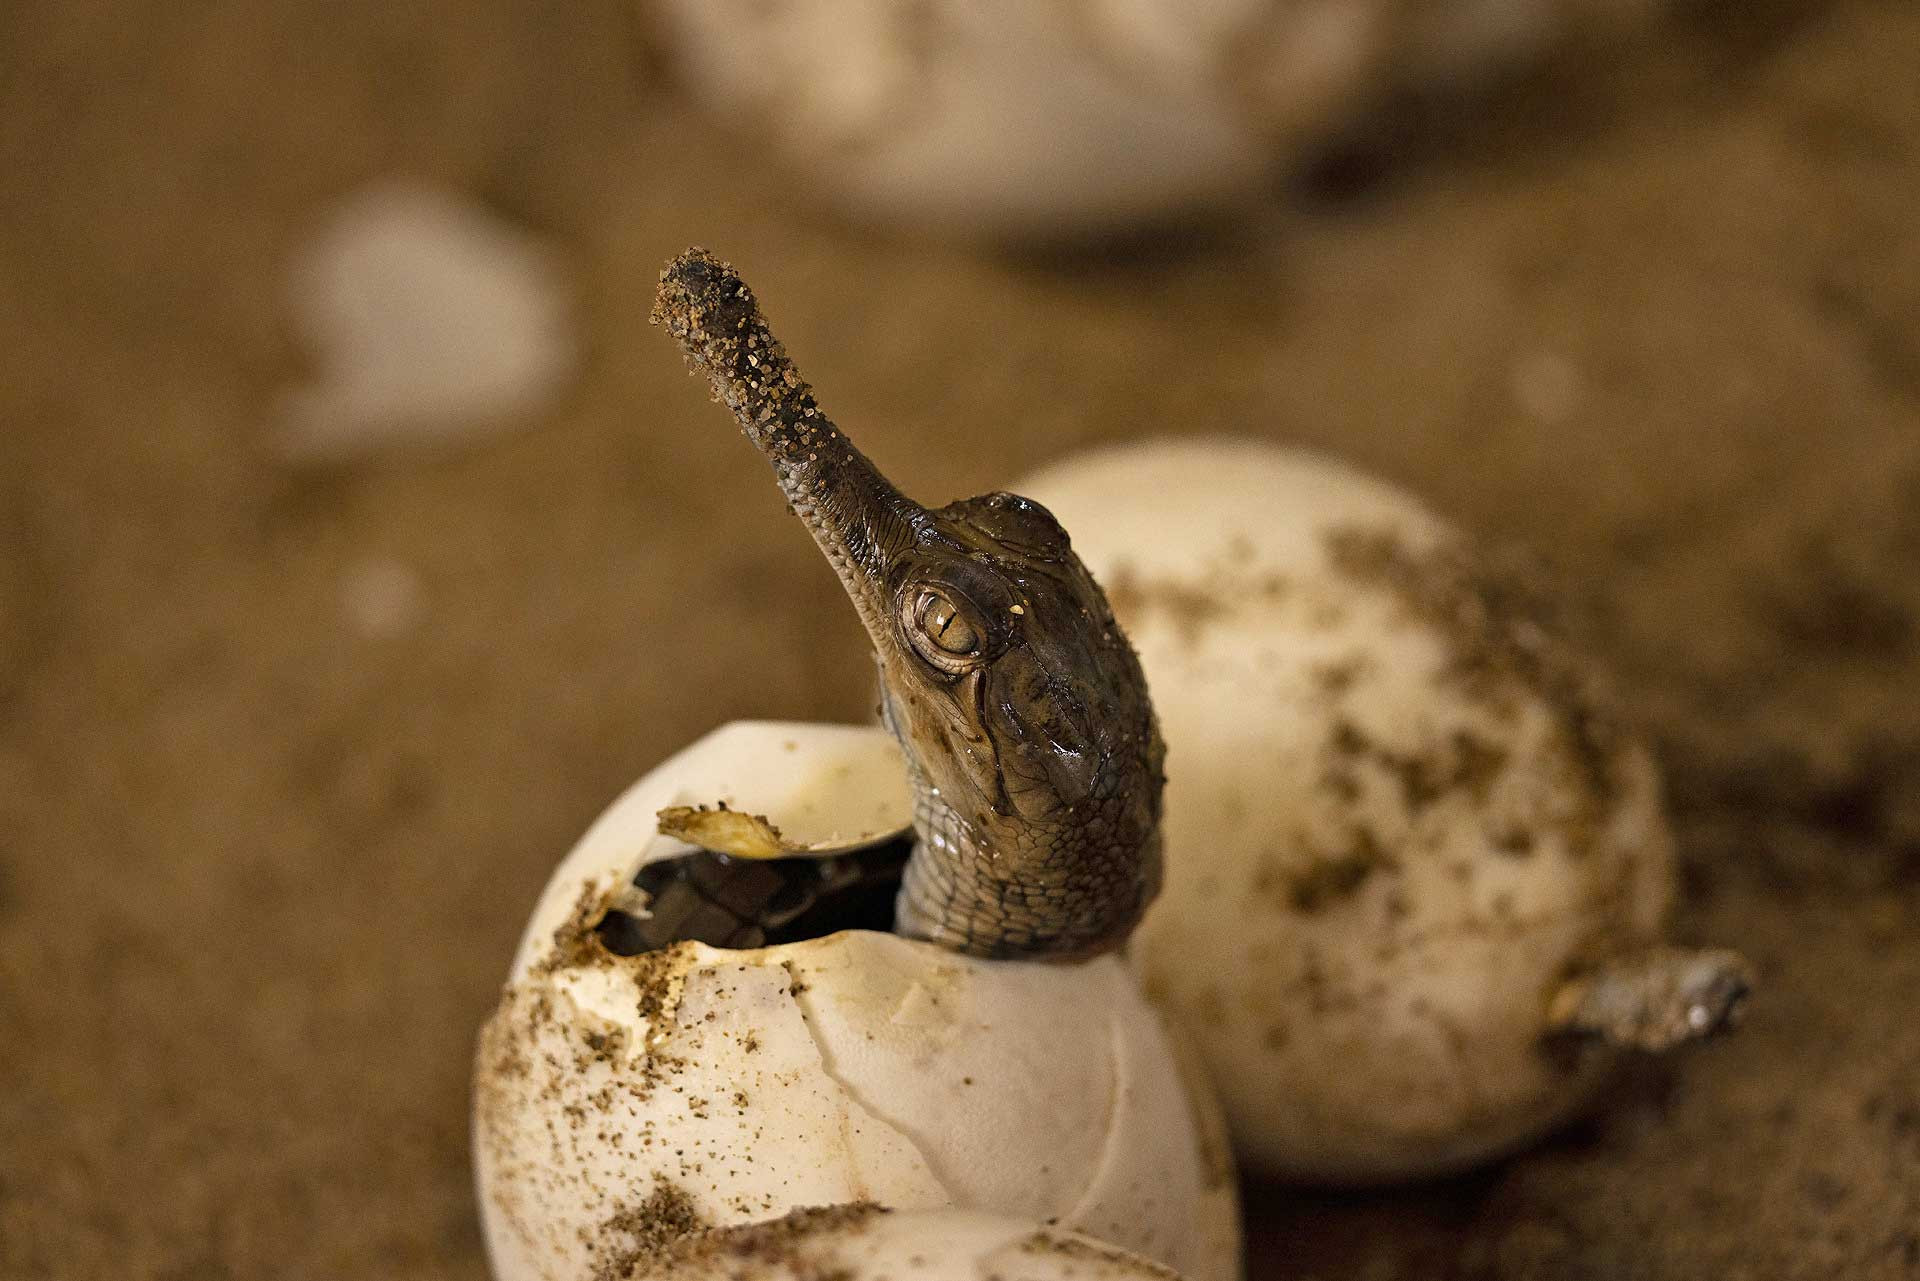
(730, 1086)
(1417, 867)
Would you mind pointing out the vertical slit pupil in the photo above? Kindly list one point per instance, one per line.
(942, 621)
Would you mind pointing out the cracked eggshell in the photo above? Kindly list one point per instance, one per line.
(738, 1085)
(1399, 814)
(869, 1243)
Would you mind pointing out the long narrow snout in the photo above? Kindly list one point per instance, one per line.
(853, 512)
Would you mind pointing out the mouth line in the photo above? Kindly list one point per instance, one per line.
(1002, 799)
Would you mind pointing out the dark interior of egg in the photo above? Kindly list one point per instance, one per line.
(746, 903)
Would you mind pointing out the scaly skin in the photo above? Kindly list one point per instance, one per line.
(1021, 708)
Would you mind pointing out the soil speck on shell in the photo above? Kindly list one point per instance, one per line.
(632, 1238)
(575, 942)
(1502, 630)
(1103, 1258)
(656, 978)
(1325, 881)
(1462, 762)
(1190, 609)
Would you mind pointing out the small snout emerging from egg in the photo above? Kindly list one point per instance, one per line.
(696, 1087)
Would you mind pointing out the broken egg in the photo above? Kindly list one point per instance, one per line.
(1417, 866)
(866, 1242)
(723, 1087)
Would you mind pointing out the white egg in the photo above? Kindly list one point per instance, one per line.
(869, 1243)
(732, 1086)
(1401, 820)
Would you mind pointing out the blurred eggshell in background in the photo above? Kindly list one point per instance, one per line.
(1074, 119)
(426, 318)
(996, 118)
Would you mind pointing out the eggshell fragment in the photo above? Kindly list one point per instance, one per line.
(1399, 812)
(721, 1087)
(427, 319)
(868, 1243)
(850, 792)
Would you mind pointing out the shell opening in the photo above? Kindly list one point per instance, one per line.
(738, 903)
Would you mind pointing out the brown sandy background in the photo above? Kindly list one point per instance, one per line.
(260, 874)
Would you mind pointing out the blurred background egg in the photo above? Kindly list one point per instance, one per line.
(1074, 119)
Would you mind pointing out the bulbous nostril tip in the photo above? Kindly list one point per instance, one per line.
(697, 292)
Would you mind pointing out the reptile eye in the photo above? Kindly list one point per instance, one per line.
(942, 630)
(945, 625)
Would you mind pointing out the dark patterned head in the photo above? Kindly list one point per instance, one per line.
(1015, 696)
(1004, 667)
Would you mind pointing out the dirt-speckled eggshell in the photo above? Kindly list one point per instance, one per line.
(1398, 812)
(869, 1243)
(859, 1066)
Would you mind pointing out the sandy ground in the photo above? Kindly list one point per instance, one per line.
(260, 872)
